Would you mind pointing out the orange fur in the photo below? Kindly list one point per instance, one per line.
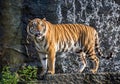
(64, 37)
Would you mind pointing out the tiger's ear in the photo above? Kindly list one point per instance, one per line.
(29, 20)
(44, 19)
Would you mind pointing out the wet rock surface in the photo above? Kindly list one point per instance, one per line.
(104, 15)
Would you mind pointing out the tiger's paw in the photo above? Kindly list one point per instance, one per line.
(93, 71)
(80, 71)
(42, 76)
(50, 72)
(43, 72)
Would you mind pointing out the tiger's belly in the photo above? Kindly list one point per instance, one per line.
(62, 47)
(71, 47)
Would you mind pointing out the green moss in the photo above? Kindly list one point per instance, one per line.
(28, 73)
(8, 77)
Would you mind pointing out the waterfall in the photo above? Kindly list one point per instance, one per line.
(104, 16)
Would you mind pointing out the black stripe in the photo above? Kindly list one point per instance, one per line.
(45, 58)
(63, 49)
(42, 38)
(71, 49)
(64, 46)
(45, 44)
(75, 44)
(79, 51)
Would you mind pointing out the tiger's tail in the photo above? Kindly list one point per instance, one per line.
(98, 49)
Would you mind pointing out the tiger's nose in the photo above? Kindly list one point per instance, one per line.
(37, 34)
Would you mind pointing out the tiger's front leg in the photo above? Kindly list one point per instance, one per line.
(51, 60)
(44, 61)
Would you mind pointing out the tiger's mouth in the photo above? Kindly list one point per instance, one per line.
(38, 35)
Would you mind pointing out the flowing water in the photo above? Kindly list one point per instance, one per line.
(104, 16)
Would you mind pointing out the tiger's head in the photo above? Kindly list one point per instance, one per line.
(37, 28)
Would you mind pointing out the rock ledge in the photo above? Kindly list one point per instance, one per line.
(84, 78)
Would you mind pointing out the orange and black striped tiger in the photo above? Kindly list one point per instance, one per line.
(51, 38)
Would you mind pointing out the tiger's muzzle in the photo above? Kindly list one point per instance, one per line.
(39, 35)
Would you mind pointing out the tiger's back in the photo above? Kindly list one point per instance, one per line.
(73, 37)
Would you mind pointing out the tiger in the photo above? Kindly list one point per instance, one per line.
(52, 38)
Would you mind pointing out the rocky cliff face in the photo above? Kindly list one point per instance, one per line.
(103, 15)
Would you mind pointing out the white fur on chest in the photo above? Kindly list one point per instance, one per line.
(40, 46)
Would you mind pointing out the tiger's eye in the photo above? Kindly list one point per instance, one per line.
(42, 25)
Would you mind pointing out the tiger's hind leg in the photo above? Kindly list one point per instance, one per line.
(95, 61)
(83, 59)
